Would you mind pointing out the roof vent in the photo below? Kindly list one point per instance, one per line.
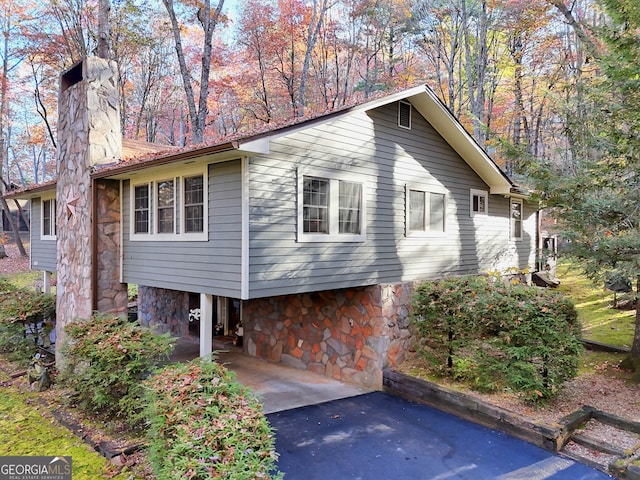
(404, 115)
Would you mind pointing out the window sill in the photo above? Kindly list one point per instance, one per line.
(340, 238)
(188, 237)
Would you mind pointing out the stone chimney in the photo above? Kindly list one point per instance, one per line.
(88, 135)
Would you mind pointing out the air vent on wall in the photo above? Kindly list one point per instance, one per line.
(404, 114)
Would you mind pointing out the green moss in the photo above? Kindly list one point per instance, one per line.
(600, 322)
(24, 279)
(25, 431)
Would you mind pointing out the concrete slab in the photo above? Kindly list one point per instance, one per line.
(278, 386)
(282, 388)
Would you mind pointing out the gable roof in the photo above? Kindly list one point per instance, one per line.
(140, 155)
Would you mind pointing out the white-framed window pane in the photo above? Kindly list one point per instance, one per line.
(436, 212)
(479, 204)
(416, 210)
(350, 205)
(141, 209)
(194, 204)
(166, 194)
(46, 217)
(516, 219)
(315, 214)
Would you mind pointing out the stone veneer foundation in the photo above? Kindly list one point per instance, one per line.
(164, 310)
(351, 335)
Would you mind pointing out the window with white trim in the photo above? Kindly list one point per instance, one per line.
(166, 206)
(193, 204)
(330, 208)
(48, 231)
(170, 208)
(479, 202)
(426, 211)
(516, 219)
(141, 209)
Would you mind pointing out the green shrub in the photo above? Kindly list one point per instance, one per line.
(497, 337)
(204, 424)
(106, 361)
(26, 319)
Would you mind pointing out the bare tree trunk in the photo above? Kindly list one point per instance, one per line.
(198, 115)
(14, 226)
(3, 110)
(635, 346)
(103, 28)
(313, 30)
(576, 25)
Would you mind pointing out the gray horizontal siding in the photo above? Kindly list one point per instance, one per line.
(212, 266)
(373, 148)
(43, 252)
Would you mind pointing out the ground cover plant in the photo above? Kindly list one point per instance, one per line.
(204, 424)
(106, 360)
(497, 337)
(26, 319)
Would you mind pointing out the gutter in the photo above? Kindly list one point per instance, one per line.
(121, 168)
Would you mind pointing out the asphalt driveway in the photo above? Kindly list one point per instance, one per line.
(380, 436)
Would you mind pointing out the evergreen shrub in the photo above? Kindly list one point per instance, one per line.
(106, 360)
(204, 424)
(26, 319)
(498, 337)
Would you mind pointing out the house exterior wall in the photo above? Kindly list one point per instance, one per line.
(43, 252)
(213, 266)
(350, 335)
(389, 159)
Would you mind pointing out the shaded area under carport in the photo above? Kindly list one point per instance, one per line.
(278, 386)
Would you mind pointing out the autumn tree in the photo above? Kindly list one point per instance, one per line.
(256, 24)
(598, 203)
(9, 20)
(208, 19)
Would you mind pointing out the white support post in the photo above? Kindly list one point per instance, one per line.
(206, 324)
(46, 282)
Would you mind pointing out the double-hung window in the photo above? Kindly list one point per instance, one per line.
(516, 219)
(426, 211)
(170, 208)
(141, 209)
(48, 231)
(193, 204)
(479, 202)
(166, 206)
(331, 208)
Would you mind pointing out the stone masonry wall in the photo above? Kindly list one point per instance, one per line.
(164, 310)
(350, 335)
(88, 134)
(112, 295)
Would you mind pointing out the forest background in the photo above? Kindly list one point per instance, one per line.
(550, 88)
(512, 70)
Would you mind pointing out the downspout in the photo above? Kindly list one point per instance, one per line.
(539, 266)
(94, 246)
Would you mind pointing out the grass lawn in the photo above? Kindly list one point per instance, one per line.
(600, 322)
(25, 430)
